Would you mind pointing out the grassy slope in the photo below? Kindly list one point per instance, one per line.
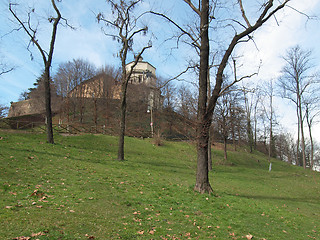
(83, 192)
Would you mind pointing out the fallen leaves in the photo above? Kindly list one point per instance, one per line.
(90, 236)
(249, 236)
(37, 193)
(38, 234)
(22, 238)
(33, 235)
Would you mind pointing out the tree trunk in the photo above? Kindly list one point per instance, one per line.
(48, 105)
(225, 148)
(95, 112)
(302, 136)
(309, 122)
(202, 178)
(204, 120)
(209, 139)
(298, 163)
(271, 129)
(123, 110)
(250, 135)
(312, 149)
(234, 138)
(209, 153)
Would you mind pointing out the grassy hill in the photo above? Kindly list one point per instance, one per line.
(76, 189)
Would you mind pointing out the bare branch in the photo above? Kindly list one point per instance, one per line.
(137, 31)
(30, 32)
(196, 10)
(194, 40)
(236, 80)
(54, 32)
(100, 17)
(177, 77)
(4, 71)
(265, 15)
(302, 13)
(243, 13)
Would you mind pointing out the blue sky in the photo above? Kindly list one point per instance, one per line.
(89, 43)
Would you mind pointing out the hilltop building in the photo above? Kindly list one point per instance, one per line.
(102, 86)
(143, 72)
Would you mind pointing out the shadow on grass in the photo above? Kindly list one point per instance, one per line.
(281, 198)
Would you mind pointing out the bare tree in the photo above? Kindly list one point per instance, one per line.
(110, 81)
(24, 95)
(205, 12)
(285, 146)
(222, 117)
(47, 56)
(3, 111)
(249, 103)
(124, 23)
(295, 83)
(269, 113)
(312, 112)
(70, 77)
(168, 91)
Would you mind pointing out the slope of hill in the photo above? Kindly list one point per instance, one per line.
(76, 189)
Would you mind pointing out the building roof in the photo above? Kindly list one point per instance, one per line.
(142, 62)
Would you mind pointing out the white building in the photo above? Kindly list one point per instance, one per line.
(143, 72)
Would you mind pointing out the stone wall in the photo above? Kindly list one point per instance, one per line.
(26, 107)
(31, 107)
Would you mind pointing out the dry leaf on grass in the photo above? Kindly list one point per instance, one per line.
(249, 236)
(38, 234)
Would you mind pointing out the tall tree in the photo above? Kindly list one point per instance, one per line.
(124, 22)
(47, 56)
(249, 103)
(294, 83)
(205, 12)
(269, 113)
(312, 113)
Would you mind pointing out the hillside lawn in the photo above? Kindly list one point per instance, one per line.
(76, 189)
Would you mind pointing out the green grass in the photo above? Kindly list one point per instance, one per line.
(76, 189)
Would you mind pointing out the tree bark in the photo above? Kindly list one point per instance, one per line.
(204, 120)
(309, 122)
(302, 137)
(122, 130)
(225, 148)
(47, 96)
